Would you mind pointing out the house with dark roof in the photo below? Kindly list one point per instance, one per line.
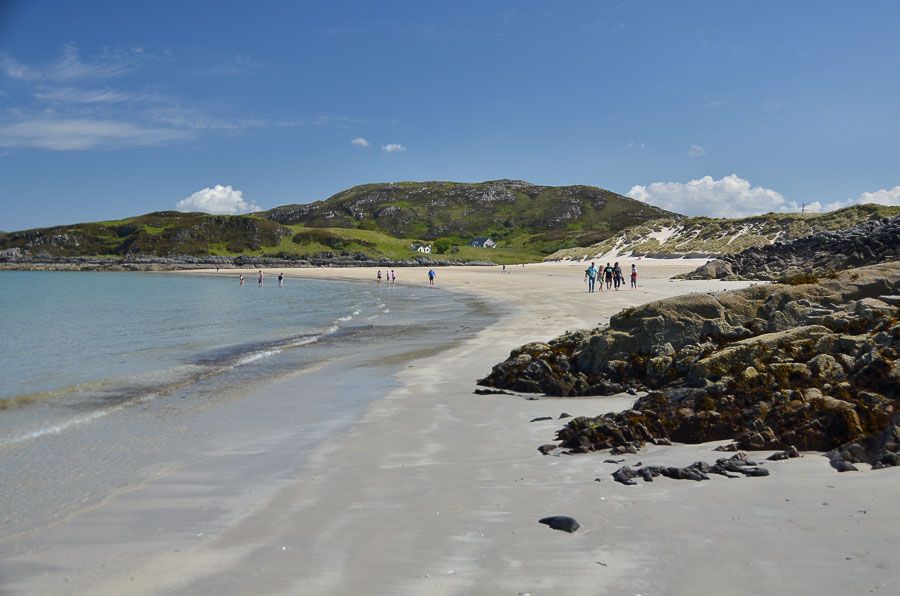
(484, 243)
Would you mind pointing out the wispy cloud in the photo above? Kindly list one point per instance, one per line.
(361, 142)
(16, 70)
(81, 134)
(696, 150)
(61, 106)
(70, 66)
(238, 65)
(636, 145)
(393, 148)
(88, 96)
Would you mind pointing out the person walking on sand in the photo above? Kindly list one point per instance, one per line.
(242, 279)
(431, 276)
(281, 280)
(590, 275)
(633, 276)
(260, 280)
(608, 273)
(617, 274)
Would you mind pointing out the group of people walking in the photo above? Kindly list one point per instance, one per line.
(611, 274)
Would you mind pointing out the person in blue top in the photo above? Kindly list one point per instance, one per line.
(590, 274)
(431, 276)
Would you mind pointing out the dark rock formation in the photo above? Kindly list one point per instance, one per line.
(561, 522)
(814, 366)
(730, 467)
(820, 254)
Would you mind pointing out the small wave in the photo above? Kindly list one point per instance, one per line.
(346, 318)
(256, 356)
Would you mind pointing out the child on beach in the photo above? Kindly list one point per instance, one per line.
(633, 277)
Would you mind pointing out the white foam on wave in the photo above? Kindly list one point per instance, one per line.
(256, 356)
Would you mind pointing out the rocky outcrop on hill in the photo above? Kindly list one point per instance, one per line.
(812, 366)
(705, 237)
(868, 243)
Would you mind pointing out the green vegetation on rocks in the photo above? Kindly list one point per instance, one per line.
(815, 366)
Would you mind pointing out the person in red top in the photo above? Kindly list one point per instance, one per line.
(633, 276)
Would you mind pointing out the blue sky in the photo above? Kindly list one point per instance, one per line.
(722, 108)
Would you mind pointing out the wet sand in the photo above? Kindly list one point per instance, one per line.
(435, 490)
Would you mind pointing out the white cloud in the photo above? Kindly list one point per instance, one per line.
(78, 134)
(220, 200)
(730, 196)
(393, 148)
(361, 142)
(883, 196)
(636, 145)
(696, 151)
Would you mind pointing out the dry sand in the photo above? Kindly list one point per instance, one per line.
(438, 491)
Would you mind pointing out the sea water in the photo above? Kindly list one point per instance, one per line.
(110, 378)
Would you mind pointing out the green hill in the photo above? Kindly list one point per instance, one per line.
(527, 221)
(675, 237)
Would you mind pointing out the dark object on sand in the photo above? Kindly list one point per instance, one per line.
(539, 418)
(493, 392)
(730, 468)
(565, 415)
(561, 522)
(549, 447)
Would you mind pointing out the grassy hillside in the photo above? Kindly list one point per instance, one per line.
(724, 236)
(375, 220)
(516, 214)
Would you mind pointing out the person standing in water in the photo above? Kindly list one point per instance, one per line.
(393, 277)
(431, 276)
(281, 280)
(242, 279)
(260, 280)
(378, 278)
(633, 276)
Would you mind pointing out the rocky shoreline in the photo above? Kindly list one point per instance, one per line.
(814, 366)
(14, 259)
(819, 254)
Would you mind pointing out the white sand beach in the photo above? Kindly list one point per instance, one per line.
(436, 490)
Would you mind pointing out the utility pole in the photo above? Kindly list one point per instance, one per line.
(802, 208)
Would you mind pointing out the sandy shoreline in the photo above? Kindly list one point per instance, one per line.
(438, 491)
